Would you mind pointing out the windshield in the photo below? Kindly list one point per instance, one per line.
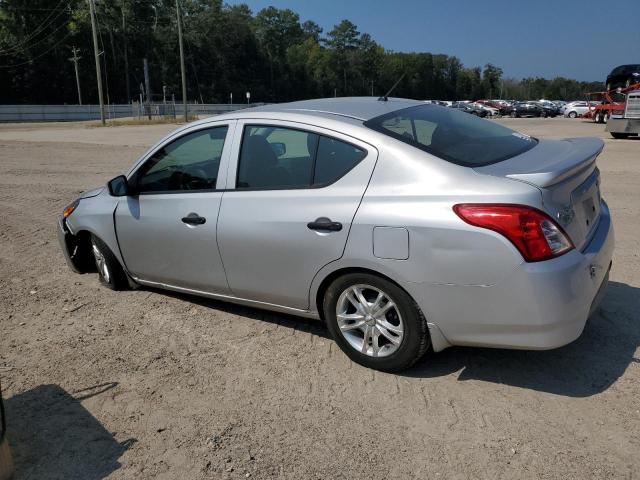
(452, 135)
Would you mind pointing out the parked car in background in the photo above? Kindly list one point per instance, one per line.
(623, 76)
(6, 464)
(526, 109)
(466, 107)
(575, 109)
(491, 111)
(550, 108)
(401, 225)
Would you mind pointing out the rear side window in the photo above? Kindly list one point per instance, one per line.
(452, 135)
(335, 158)
(287, 158)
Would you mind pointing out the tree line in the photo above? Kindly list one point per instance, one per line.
(228, 50)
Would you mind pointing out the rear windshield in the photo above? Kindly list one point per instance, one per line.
(452, 135)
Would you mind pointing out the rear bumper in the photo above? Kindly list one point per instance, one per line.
(538, 306)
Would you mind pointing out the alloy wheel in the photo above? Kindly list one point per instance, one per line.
(369, 320)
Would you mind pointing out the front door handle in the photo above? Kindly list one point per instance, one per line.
(194, 219)
(324, 224)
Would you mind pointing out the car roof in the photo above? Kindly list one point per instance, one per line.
(359, 108)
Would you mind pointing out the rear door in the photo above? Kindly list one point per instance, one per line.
(293, 194)
(167, 233)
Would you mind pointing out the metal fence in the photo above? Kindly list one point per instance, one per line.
(62, 113)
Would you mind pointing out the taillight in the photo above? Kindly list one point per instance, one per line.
(535, 235)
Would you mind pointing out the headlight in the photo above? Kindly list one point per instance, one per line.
(70, 208)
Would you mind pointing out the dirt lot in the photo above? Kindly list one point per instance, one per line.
(145, 384)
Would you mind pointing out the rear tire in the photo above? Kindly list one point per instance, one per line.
(110, 272)
(396, 339)
(572, 114)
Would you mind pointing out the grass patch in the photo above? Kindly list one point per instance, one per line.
(123, 122)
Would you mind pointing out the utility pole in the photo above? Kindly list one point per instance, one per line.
(126, 55)
(182, 72)
(147, 87)
(94, 28)
(75, 59)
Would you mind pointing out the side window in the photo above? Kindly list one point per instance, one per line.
(274, 157)
(189, 163)
(335, 158)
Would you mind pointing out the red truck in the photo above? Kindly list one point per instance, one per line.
(619, 109)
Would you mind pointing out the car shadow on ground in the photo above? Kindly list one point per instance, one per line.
(310, 325)
(583, 368)
(53, 436)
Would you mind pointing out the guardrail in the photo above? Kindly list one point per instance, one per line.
(68, 113)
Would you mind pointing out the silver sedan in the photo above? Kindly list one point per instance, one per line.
(403, 226)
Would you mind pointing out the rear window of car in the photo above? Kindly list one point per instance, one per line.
(452, 135)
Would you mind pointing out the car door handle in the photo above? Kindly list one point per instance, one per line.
(324, 224)
(194, 219)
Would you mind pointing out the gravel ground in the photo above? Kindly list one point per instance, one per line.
(149, 384)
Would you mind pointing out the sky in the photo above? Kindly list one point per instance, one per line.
(581, 39)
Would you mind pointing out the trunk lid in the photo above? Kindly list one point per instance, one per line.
(566, 174)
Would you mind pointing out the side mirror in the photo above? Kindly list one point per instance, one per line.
(119, 187)
(279, 148)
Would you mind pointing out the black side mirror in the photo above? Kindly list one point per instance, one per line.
(119, 187)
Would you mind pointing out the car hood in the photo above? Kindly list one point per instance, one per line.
(91, 193)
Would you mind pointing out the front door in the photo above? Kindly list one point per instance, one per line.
(167, 232)
(296, 193)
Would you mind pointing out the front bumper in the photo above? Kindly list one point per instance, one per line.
(69, 246)
(623, 125)
(538, 306)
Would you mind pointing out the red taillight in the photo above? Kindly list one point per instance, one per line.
(535, 235)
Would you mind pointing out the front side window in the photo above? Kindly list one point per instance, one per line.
(281, 158)
(452, 135)
(189, 163)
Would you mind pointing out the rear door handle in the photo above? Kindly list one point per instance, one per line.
(324, 224)
(194, 219)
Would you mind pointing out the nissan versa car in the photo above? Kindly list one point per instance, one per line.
(402, 225)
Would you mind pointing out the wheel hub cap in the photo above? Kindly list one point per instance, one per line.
(369, 320)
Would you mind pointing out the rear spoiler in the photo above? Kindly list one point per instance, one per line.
(550, 162)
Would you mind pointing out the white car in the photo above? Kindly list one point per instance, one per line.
(576, 109)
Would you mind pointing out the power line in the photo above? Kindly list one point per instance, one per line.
(40, 28)
(38, 56)
(23, 48)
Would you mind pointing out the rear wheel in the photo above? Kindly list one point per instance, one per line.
(513, 114)
(110, 272)
(375, 322)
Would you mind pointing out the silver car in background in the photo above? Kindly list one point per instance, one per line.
(404, 226)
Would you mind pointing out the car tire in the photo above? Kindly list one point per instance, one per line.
(110, 272)
(572, 114)
(619, 135)
(513, 114)
(543, 114)
(397, 338)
